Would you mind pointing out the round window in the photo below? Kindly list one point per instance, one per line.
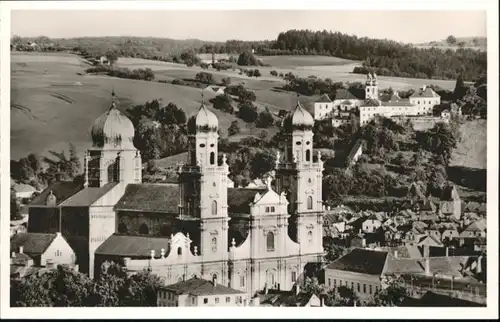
(308, 142)
(202, 145)
(298, 143)
(212, 145)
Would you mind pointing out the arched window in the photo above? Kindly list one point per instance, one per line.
(214, 244)
(308, 155)
(122, 228)
(270, 241)
(179, 251)
(214, 207)
(113, 172)
(212, 158)
(309, 202)
(144, 230)
(310, 236)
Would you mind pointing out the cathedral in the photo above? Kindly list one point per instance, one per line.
(247, 239)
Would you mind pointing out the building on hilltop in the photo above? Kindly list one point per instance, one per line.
(201, 226)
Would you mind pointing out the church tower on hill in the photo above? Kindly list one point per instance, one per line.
(300, 177)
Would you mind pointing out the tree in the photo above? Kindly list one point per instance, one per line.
(460, 88)
(204, 77)
(265, 119)
(451, 40)
(256, 73)
(262, 163)
(273, 73)
(224, 103)
(112, 57)
(247, 59)
(74, 161)
(461, 44)
(247, 112)
(334, 252)
(263, 135)
(234, 128)
(392, 295)
(60, 287)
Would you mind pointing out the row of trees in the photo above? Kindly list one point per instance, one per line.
(146, 74)
(64, 287)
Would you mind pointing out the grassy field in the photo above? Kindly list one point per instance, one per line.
(300, 61)
(53, 103)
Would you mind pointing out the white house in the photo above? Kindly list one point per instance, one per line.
(199, 292)
(323, 107)
(44, 249)
(371, 224)
(425, 99)
(345, 100)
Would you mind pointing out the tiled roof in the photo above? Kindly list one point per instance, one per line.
(162, 198)
(361, 261)
(239, 199)
(133, 246)
(22, 187)
(371, 103)
(403, 266)
(61, 189)
(478, 226)
(344, 94)
(199, 287)
(87, 196)
(20, 259)
(396, 101)
(33, 243)
(324, 99)
(427, 93)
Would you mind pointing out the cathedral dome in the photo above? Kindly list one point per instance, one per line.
(299, 119)
(113, 129)
(204, 121)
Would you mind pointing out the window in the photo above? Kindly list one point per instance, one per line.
(308, 155)
(193, 300)
(143, 230)
(267, 209)
(58, 253)
(179, 251)
(242, 281)
(352, 286)
(202, 145)
(310, 236)
(294, 277)
(329, 282)
(309, 202)
(228, 299)
(270, 241)
(212, 158)
(359, 287)
(370, 288)
(113, 172)
(176, 303)
(214, 207)
(205, 300)
(364, 288)
(334, 283)
(272, 209)
(214, 244)
(216, 300)
(376, 289)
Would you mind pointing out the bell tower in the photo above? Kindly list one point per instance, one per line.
(300, 178)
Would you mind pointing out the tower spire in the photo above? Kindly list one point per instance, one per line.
(113, 98)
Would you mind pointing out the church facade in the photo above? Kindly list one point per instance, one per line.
(246, 239)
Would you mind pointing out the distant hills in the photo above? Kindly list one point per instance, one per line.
(467, 42)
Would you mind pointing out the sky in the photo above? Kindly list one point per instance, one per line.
(404, 26)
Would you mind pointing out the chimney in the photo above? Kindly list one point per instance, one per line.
(21, 249)
(446, 251)
(427, 266)
(395, 254)
(265, 288)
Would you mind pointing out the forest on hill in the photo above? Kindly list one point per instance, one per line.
(385, 57)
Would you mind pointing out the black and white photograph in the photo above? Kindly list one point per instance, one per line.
(195, 155)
